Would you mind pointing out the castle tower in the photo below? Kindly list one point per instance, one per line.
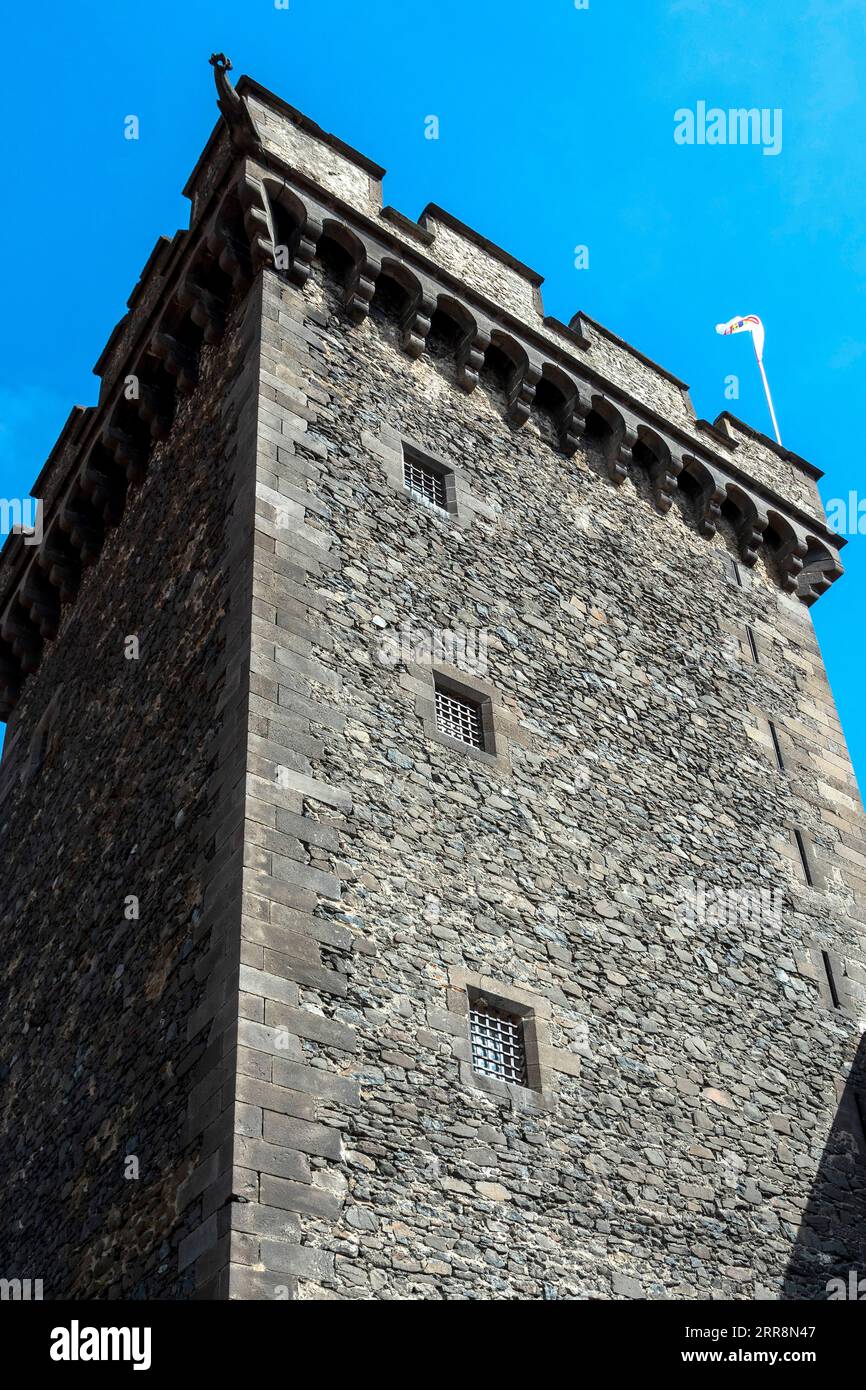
(432, 863)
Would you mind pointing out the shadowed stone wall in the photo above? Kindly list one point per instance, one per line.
(97, 1064)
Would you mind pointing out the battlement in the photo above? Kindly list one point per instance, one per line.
(273, 189)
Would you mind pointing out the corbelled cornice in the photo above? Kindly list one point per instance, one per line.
(252, 208)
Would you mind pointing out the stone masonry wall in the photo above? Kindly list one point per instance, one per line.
(279, 1039)
(696, 1136)
(98, 1060)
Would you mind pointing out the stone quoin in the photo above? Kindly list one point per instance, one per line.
(407, 1012)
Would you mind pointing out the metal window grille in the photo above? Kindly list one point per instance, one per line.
(497, 1043)
(426, 483)
(459, 718)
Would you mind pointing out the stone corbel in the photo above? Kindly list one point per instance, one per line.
(40, 602)
(789, 558)
(82, 528)
(62, 572)
(303, 249)
(361, 286)
(21, 635)
(570, 420)
(231, 257)
(258, 222)
(127, 451)
(708, 505)
(619, 445)
(710, 509)
(152, 410)
(663, 476)
(470, 356)
(244, 206)
(205, 310)
(178, 360)
(106, 492)
(520, 393)
(415, 320)
(817, 576)
(569, 429)
(750, 532)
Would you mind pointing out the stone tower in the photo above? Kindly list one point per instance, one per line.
(432, 864)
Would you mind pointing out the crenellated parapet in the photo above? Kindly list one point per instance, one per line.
(272, 189)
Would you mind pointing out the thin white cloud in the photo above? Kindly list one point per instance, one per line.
(849, 351)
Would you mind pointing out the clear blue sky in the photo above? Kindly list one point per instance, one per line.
(556, 129)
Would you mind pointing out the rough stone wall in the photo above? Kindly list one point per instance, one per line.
(695, 1067)
(281, 1038)
(302, 150)
(510, 288)
(618, 363)
(761, 462)
(97, 1061)
(514, 289)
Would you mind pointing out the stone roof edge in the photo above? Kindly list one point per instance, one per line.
(247, 86)
(810, 469)
(170, 262)
(168, 250)
(573, 329)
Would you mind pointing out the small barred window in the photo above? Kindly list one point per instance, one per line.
(497, 1043)
(425, 483)
(458, 718)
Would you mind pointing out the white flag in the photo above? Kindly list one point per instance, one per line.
(747, 323)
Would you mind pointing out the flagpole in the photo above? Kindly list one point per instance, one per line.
(767, 391)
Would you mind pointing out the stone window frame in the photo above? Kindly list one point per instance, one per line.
(817, 871)
(462, 503)
(779, 761)
(738, 633)
(849, 992)
(534, 1013)
(470, 714)
(734, 571)
(795, 760)
(413, 454)
(499, 729)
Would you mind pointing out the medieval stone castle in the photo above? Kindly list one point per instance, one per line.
(433, 867)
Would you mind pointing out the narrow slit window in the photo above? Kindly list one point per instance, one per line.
(43, 741)
(40, 747)
(734, 571)
(425, 483)
(498, 1047)
(459, 718)
(804, 858)
(777, 747)
(831, 979)
(753, 646)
